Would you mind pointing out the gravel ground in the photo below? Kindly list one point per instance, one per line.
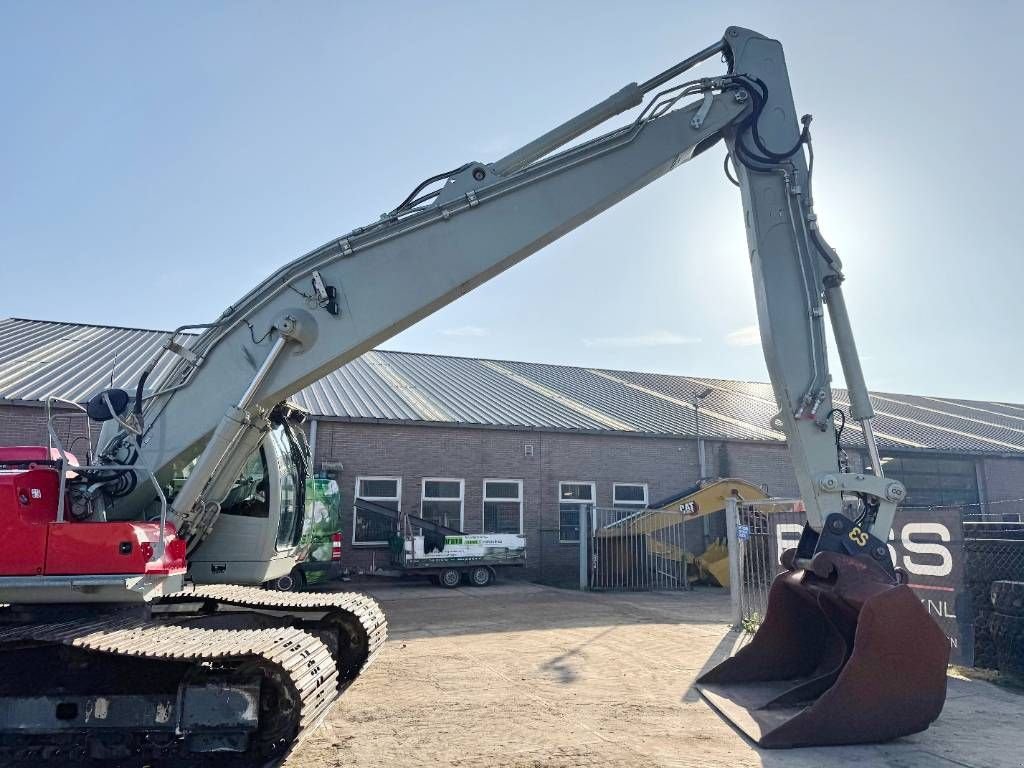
(528, 676)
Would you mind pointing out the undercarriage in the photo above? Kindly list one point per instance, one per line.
(217, 676)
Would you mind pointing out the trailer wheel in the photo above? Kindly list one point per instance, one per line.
(480, 576)
(449, 578)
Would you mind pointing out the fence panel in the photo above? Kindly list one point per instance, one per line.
(638, 550)
(764, 530)
(993, 551)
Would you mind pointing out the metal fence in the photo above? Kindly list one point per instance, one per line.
(759, 532)
(952, 555)
(993, 551)
(637, 550)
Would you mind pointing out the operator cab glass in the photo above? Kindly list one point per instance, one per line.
(292, 482)
(248, 497)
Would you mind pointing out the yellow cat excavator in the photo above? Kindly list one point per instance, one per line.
(709, 499)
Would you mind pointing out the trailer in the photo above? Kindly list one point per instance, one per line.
(421, 547)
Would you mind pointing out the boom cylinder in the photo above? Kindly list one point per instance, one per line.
(234, 422)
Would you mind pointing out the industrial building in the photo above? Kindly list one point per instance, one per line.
(501, 446)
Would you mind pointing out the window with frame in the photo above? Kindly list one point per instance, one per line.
(369, 528)
(503, 506)
(627, 500)
(629, 494)
(442, 500)
(932, 481)
(574, 499)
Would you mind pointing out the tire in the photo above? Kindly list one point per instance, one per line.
(480, 576)
(1008, 597)
(984, 647)
(1008, 638)
(293, 581)
(981, 595)
(449, 578)
(994, 560)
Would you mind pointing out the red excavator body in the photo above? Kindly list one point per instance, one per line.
(34, 542)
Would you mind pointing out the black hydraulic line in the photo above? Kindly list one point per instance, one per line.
(138, 404)
(758, 94)
(748, 161)
(839, 431)
(728, 174)
(682, 66)
(761, 100)
(412, 195)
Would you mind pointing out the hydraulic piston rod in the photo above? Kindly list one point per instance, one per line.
(860, 402)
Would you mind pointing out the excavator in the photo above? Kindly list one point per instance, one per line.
(134, 631)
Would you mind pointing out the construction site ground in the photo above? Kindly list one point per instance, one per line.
(523, 675)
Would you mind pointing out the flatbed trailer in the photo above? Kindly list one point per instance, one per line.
(444, 554)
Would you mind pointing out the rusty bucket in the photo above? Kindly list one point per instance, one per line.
(844, 656)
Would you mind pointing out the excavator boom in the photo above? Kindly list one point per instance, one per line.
(461, 228)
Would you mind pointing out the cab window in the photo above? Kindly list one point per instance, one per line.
(248, 496)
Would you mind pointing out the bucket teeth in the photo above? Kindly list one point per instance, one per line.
(844, 656)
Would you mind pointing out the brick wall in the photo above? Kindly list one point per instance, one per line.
(26, 425)
(666, 465)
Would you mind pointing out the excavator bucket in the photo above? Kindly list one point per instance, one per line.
(715, 562)
(844, 656)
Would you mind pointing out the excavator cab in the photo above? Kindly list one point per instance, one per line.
(263, 522)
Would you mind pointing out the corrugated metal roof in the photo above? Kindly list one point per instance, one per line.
(40, 359)
(73, 361)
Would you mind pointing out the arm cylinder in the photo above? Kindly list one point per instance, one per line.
(627, 98)
(860, 402)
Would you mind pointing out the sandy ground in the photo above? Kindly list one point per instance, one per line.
(528, 676)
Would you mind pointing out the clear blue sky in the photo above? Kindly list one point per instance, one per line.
(158, 159)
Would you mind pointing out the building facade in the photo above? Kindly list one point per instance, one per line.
(509, 447)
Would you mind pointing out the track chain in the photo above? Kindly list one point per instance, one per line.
(302, 658)
(299, 655)
(364, 609)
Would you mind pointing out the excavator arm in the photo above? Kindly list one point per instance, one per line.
(459, 229)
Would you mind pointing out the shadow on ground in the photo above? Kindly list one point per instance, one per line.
(422, 608)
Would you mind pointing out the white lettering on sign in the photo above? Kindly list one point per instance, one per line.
(787, 536)
(945, 567)
(36, 493)
(892, 552)
(938, 608)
